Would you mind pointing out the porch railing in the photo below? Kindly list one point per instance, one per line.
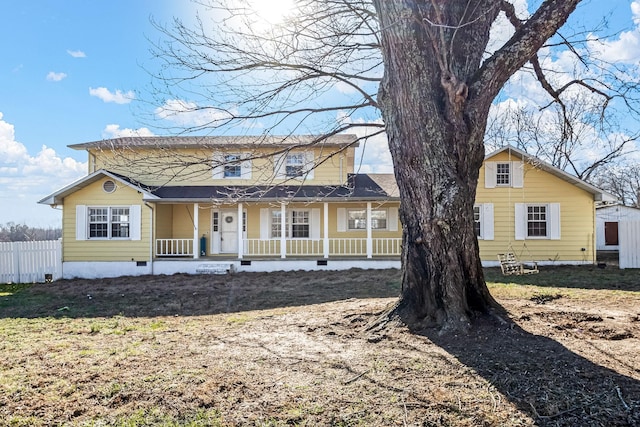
(348, 246)
(294, 247)
(174, 247)
(387, 246)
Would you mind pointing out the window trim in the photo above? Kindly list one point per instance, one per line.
(232, 161)
(547, 221)
(274, 233)
(109, 223)
(553, 219)
(508, 174)
(386, 214)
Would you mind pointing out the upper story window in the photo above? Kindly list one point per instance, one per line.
(232, 166)
(357, 219)
(294, 165)
(108, 223)
(503, 173)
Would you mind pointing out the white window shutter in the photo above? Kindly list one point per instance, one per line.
(315, 223)
(265, 229)
(517, 174)
(280, 165)
(392, 221)
(218, 167)
(246, 167)
(309, 164)
(489, 174)
(135, 222)
(487, 221)
(554, 224)
(342, 219)
(81, 222)
(521, 221)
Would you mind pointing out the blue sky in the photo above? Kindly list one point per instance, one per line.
(73, 71)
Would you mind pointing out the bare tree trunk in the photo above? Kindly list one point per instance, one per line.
(437, 149)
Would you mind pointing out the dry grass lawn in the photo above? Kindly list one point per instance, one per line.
(292, 349)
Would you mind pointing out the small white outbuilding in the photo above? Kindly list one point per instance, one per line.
(608, 219)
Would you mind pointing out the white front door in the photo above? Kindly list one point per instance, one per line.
(228, 232)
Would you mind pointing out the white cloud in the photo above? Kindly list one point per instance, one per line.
(77, 53)
(502, 30)
(114, 131)
(625, 48)
(189, 114)
(55, 77)
(27, 178)
(372, 155)
(118, 96)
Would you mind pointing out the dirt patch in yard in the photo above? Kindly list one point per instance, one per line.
(293, 349)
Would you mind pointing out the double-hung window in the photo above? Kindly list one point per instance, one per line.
(300, 224)
(109, 223)
(503, 173)
(232, 166)
(537, 221)
(294, 166)
(297, 224)
(357, 219)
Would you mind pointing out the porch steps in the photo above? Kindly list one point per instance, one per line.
(215, 268)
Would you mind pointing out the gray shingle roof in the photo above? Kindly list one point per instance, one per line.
(359, 187)
(218, 141)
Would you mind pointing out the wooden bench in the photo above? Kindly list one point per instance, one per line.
(215, 268)
(510, 265)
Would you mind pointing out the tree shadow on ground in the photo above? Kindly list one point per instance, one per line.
(551, 383)
(194, 295)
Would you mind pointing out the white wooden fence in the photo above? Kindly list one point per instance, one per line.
(29, 262)
(629, 241)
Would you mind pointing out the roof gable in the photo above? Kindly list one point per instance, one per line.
(598, 194)
(57, 197)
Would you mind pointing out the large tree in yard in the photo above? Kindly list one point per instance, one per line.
(435, 98)
(421, 66)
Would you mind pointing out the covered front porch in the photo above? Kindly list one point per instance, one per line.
(363, 230)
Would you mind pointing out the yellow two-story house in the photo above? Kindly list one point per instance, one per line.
(164, 205)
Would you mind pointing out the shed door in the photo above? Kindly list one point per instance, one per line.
(611, 233)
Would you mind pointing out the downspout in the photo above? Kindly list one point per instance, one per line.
(150, 237)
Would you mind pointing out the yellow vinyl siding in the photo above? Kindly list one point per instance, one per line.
(193, 166)
(104, 250)
(577, 217)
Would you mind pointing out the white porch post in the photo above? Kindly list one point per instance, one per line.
(240, 234)
(283, 230)
(326, 230)
(196, 231)
(369, 240)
